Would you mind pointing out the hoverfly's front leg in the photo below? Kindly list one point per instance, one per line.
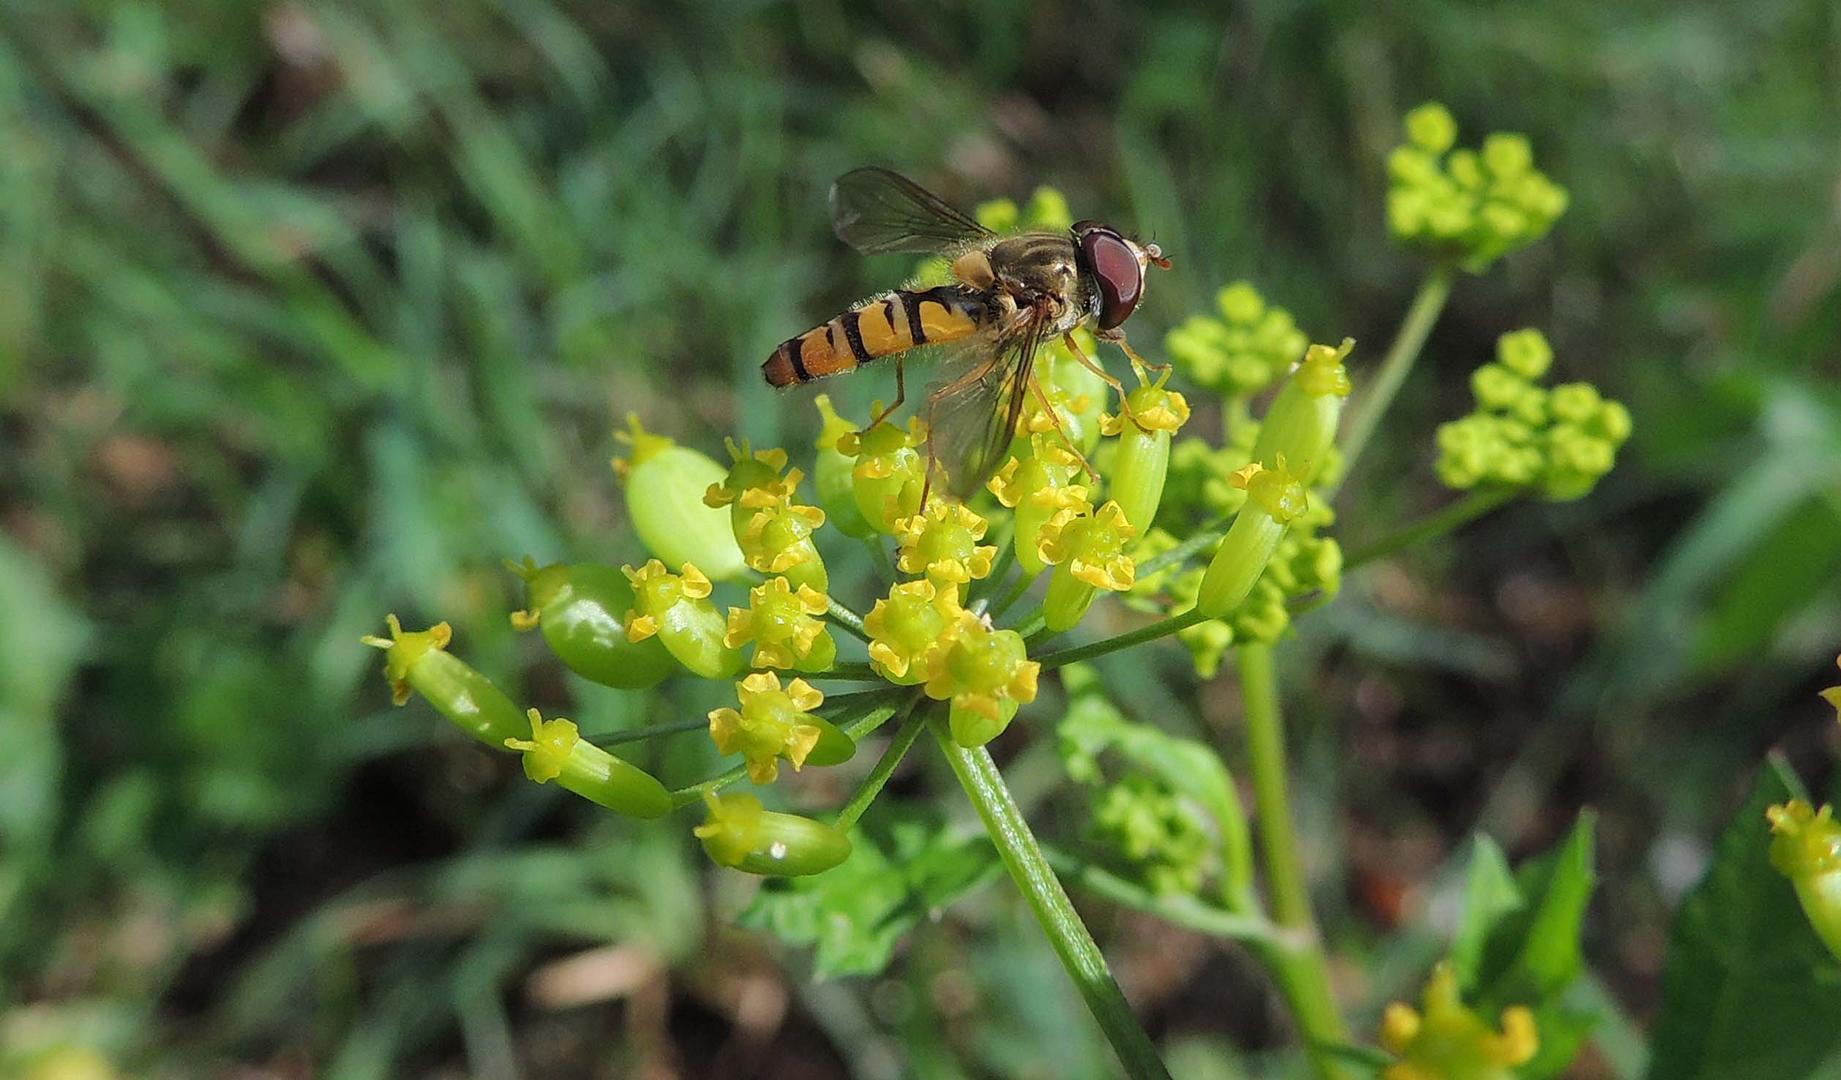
(901, 395)
(1054, 414)
(1116, 335)
(1086, 362)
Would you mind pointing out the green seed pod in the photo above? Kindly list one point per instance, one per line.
(582, 609)
(1806, 848)
(1301, 424)
(418, 661)
(677, 608)
(742, 834)
(1088, 550)
(555, 751)
(831, 475)
(1152, 415)
(665, 484)
(1274, 497)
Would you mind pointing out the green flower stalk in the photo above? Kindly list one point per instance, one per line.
(1448, 1041)
(909, 627)
(664, 483)
(1037, 487)
(1152, 414)
(1806, 848)
(985, 673)
(831, 474)
(941, 543)
(890, 472)
(1462, 206)
(582, 610)
(1240, 352)
(1274, 499)
(786, 626)
(677, 609)
(776, 723)
(1088, 550)
(418, 661)
(742, 834)
(1301, 424)
(555, 751)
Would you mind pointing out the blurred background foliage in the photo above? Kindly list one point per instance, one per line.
(315, 311)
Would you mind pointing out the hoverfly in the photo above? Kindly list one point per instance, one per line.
(1013, 294)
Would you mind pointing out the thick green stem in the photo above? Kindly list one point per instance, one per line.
(1301, 968)
(1380, 391)
(1016, 845)
(1453, 517)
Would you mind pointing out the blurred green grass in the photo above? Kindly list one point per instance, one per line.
(315, 311)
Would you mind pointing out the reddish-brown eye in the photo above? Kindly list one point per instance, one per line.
(1115, 271)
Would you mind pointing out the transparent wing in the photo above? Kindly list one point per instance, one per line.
(876, 211)
(972, 410)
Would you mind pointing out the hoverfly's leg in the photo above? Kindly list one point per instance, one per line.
(1035, 385)
(1117, 336)
(901, 395)
(1086, 362)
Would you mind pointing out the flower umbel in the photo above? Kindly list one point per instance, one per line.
(1468, 207)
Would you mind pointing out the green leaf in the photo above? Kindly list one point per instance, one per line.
(1490, 894)
(1532, 953)
(1749, 990)
(903, 867)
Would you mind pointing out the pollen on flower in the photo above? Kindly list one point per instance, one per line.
(908, 627)
(941, 542)
(778, 537)
(774, 722)
(1275, 489)
(785, 624)
(548, 748)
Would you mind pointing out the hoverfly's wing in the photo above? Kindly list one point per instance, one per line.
(877, 211)
(972, 410)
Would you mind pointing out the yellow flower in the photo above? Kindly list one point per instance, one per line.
(908, 626)
(785, 625)
(942, 543)
(1450, 1042)
(772, 723)
(656, 590)
(550, 744)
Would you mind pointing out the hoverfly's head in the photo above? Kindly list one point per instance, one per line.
(1116, 266)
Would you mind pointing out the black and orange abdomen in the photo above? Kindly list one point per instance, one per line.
(882, 327)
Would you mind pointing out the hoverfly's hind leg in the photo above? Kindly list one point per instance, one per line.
(1119, 387)
(1035, 385)
(901, 395)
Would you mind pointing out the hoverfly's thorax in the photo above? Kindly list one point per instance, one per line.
(1037, 263)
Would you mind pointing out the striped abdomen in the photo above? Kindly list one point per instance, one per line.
(882, 327)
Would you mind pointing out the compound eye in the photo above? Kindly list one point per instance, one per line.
(1115, 271)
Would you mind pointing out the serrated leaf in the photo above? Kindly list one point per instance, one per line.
(1490, 894)
(903, 867)
(1532, 953)
(1749, 992)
